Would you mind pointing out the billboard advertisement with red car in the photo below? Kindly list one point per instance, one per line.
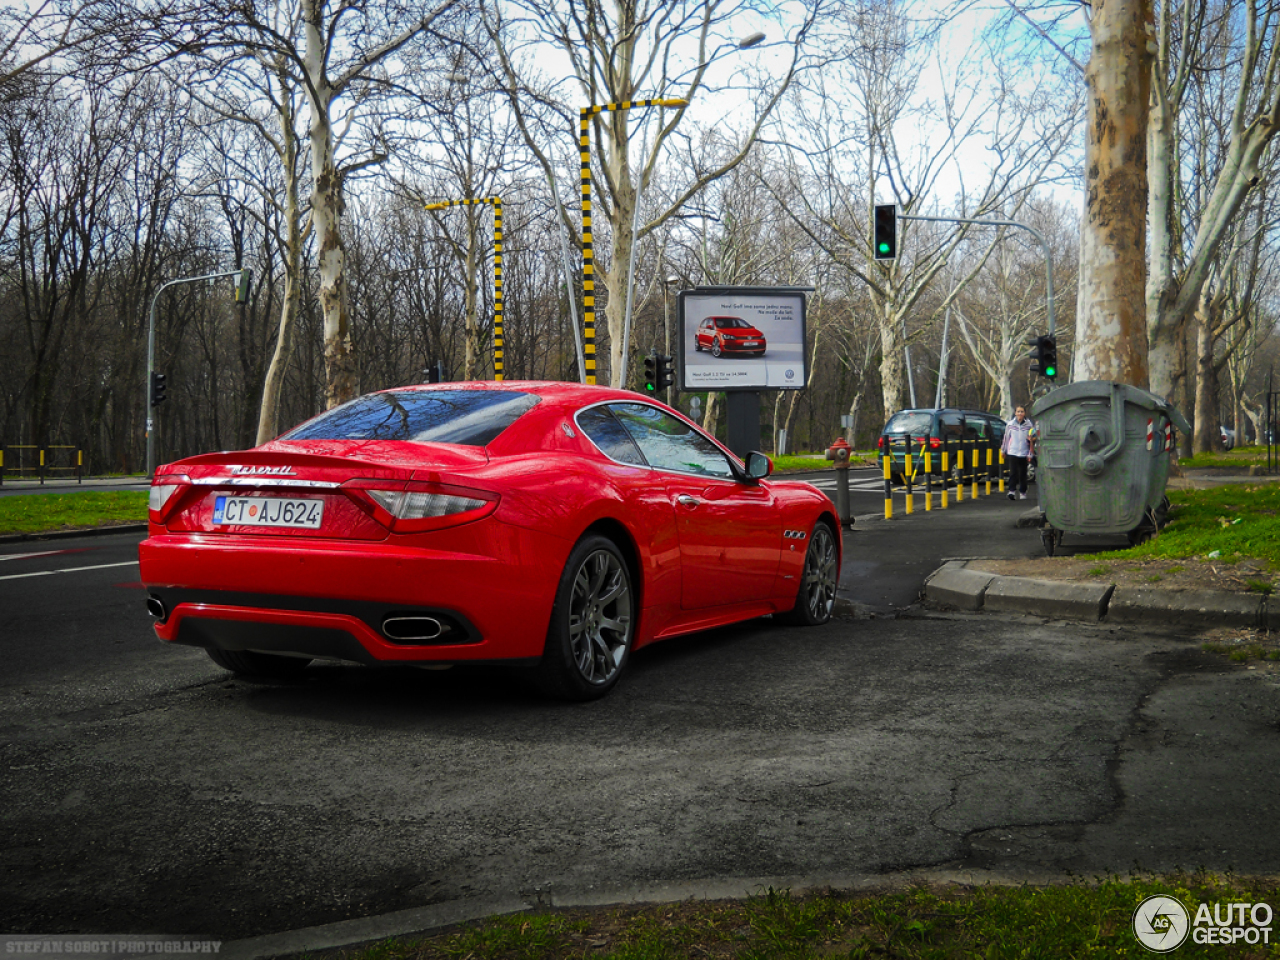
(741, 338)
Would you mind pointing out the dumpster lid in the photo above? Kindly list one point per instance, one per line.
(1106, 389)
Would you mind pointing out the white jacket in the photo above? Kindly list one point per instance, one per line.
(1017, 438)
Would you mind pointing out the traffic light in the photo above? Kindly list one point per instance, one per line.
(158, 389)
(666, 375)
(885, 234)
(1044, 356)
(651, 374)
(434, 371)
(244, 282)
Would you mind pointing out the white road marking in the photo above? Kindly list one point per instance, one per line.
(46, 573)
(27, 556)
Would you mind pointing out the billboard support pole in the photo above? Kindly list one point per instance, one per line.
(743, 409)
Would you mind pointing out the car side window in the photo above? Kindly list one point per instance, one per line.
(671, 444)
(607, 433)
(950, 426)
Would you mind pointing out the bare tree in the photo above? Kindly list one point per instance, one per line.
(1216, 110)
(622, 51)
(342, 56)
(853, 142)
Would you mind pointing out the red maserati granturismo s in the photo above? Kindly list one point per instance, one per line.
(553, 525)
(729, 336)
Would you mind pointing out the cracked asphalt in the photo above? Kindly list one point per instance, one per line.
(151, 793)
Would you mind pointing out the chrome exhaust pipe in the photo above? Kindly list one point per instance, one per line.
(420, 629)
(155, 607)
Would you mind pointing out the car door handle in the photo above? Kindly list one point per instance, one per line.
(687, 501)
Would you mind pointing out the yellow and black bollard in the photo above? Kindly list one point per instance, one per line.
(960, 473)
(928, 481)
(946, 471)
(1001, 462)
(888, 484)
(975, 458)
(906, 475)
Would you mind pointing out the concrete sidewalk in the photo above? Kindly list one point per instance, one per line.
(957, 585)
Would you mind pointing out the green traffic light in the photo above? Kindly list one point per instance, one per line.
(884, 248)
(1050, 371)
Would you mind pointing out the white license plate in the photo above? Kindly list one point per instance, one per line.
(268, 512)
(751, 343)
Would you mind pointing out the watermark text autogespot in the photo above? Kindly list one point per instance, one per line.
(1162, 924)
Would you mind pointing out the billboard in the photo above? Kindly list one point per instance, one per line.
(742, 338)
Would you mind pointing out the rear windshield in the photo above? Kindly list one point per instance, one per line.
(469, 417)
(916, 424)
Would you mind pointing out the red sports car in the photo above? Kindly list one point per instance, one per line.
(725, 336)
(548, 524)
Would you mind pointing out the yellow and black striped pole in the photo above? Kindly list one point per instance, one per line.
(906, 474)
(888, 484)
(499, 336)
(928, 480)
(588, 253)
(946, 471)
(976, 457)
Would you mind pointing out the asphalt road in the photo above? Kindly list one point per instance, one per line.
(146, 791)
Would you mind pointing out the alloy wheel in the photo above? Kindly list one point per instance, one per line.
(600, 621)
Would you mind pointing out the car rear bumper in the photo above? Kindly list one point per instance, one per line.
(333, 600)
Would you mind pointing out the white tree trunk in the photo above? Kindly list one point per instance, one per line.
(326, 215)
(1111, 329)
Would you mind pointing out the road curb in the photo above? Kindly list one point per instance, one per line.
(423, 921)
(1048, 598)
(69, 534)
(956, 587)
(953, 585)
(1198, 608)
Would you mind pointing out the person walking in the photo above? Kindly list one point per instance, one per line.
(1018, 446)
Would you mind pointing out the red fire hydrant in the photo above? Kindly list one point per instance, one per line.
(839, 453)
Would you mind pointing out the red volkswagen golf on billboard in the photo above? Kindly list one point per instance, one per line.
(556, 526)
(729, 337)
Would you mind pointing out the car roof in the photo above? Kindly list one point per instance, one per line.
(553, 391)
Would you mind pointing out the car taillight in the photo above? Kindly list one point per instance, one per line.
(882, 443)
(935, 443)
(414, 507)
(160, 501)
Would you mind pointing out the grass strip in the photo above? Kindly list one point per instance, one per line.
(46, 512)
(1227, 524)
(1079, 920)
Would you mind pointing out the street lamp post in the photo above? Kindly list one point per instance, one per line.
(498, 330)
(666, 322)
(245, 278)
(588, 255)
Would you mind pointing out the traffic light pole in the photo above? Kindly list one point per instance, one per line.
(1044, 244)
(151, 356)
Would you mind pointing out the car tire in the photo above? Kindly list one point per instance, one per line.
(248, 663)
(592, 626)
(715, 349)
(816, 597)
(697, 347)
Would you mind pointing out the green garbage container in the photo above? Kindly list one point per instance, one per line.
(1104, 450)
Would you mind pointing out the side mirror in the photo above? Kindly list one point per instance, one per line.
(758, 465)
